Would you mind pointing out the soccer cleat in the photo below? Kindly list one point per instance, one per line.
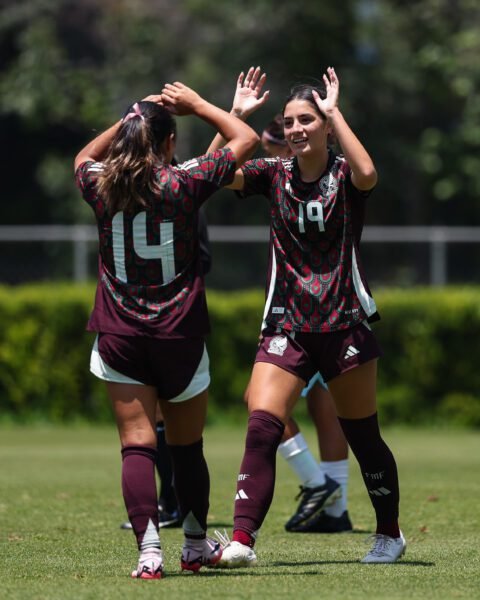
(168, 519)
(324, 523)
(313, 501)
(385, 549)
(150, 565)
(235, 555)
(165, 519)
(193, 557)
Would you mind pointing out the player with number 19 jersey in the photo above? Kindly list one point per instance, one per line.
(316, 280)
(150, 275)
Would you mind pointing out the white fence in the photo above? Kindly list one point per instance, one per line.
(80, 236)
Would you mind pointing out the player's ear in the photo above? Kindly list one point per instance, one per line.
(168, 146)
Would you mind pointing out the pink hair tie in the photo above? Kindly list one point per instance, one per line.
(274, 140)
(136, 113)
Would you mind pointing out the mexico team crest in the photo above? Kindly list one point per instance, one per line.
(277, 345)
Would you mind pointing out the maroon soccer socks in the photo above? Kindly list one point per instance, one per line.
(256, 481)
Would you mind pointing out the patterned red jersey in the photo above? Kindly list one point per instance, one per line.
(316, 281)
(150, 274)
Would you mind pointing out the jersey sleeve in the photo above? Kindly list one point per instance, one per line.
(86, 179)
(206, 174)
(258, 174)
(352, 191)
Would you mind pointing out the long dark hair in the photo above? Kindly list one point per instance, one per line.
(128, 177)
(303, 91)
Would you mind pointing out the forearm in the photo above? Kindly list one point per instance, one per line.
(364, 175)
(219, 140)
(228, 125)
(98, 147)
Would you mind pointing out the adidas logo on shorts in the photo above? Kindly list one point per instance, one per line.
(351, 351)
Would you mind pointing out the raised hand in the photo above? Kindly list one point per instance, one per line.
(332, 87)
(157, 98)
(180, 99)
(247, 94)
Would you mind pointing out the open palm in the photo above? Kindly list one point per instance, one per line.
(247, 94)
(332, 87)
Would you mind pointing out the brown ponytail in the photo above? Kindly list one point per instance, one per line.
(128, 177)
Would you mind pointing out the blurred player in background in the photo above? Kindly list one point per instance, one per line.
(150, 310)
(317, 309)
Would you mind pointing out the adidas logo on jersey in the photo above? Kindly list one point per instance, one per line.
(351, 351)
(241, 495)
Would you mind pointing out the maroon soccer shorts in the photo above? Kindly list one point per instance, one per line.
(178, 368)
(303, 354)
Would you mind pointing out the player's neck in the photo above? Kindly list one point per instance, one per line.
(311, 167)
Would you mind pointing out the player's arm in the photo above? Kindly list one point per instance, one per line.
(240, 137)
(364, 174)
(98, 147)
(247, 99)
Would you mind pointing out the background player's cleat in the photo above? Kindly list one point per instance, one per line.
(313, 501)
(150, 565)
(165, 519)
(195, 557)
(385, 549)
(235, 555)
(168, 519)
(324, 523)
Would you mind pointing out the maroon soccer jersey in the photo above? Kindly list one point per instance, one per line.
(316, 281)
(150, 275)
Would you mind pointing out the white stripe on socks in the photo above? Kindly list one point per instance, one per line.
(298, 456)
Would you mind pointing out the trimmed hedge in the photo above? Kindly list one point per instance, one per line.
(429, 372)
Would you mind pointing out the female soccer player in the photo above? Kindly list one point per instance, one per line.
(323, 503)
(150, 311)
(316, 314)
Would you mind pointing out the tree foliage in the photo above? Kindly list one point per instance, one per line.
(409, 74)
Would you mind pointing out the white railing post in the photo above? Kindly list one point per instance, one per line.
(438, 258)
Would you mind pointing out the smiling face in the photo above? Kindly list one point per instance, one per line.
(305, 129)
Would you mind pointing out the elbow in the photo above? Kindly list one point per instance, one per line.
(254, 140)
(77, 162)
(366, 179)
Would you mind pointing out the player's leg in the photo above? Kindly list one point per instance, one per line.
(334, 459)
(134, 407)
(168, 513)
(316, 490)
(184, 415)
(354, 392)
(272, 394)
(294, 449)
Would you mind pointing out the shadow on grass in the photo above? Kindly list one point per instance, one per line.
(342, 533)
(409, 563)
(263, 571)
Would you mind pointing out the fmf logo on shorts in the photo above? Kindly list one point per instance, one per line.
(277, 345)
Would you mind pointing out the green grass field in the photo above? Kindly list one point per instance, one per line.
(61, 507)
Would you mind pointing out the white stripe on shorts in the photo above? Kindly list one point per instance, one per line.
(199, 382)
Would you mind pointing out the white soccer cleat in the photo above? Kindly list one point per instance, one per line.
(385, 549)
(195, 556)
(235, 555)
(150, 565)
